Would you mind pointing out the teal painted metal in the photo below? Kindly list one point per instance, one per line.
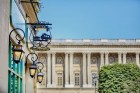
(15, 74)
(15, 70)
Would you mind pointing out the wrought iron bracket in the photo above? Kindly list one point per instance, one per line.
(34, 59)
(40, 43)
(18, 36)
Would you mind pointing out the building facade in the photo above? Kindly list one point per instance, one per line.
(70, 65)
(15, 78)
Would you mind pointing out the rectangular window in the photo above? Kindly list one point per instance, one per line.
(77, 79)
(60, 79)
(94, 79)
(14, 74)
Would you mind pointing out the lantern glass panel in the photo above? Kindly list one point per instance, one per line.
(32, 72)
(17, 53)
(40, 78)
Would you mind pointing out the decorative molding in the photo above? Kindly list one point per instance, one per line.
(77, 60)
(53, 53)
(95, 46)
(124, 53)
(59, 60)
(94, 60)
(42, 59)
(66, 53)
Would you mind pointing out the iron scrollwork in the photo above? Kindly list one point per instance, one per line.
(35, 66)
(40, 43)
(17, 49)
(17, 35)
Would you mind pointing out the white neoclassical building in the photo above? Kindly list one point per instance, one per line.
(70, 65)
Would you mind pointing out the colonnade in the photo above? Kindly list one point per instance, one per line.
(86, 74)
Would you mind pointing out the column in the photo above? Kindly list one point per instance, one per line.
(49, 69)
(137, 59)
(71, 70)
(106, 58)
(89, 70)
(124, 58)
(84, 70)
(120, 58)
(102, 59)
(66, 70)
(53, 70)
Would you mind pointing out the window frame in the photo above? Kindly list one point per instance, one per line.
(77, 83)
(60, 79)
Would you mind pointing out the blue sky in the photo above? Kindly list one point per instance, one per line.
(92, 19)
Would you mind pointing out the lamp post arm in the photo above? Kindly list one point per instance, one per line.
(32, 58)
(17, 35)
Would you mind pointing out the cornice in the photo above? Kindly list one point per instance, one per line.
(94, 46)
(95, 42)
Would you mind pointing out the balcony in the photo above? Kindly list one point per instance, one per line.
(31, 7)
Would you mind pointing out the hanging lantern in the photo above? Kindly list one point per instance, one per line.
(32, 70)
(17, 53)
(17, 49)
(40, 77)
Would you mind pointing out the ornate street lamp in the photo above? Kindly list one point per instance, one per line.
(34, 66)
(17, 49)
(40, 77)
(33, 69)
(40, 74)
(40, 43)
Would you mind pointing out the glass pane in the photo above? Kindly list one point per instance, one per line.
(20, 68)
(10, 54)
(77, 79)
(12, 83)
(16, 67)
(16, 84)
(20, 85)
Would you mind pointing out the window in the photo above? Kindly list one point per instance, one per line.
(14, 74)
(60, 79)
(94, 79)
(77, 79)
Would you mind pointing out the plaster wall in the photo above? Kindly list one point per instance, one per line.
(4, 41)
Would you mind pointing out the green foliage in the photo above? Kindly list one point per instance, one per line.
(119, 78)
